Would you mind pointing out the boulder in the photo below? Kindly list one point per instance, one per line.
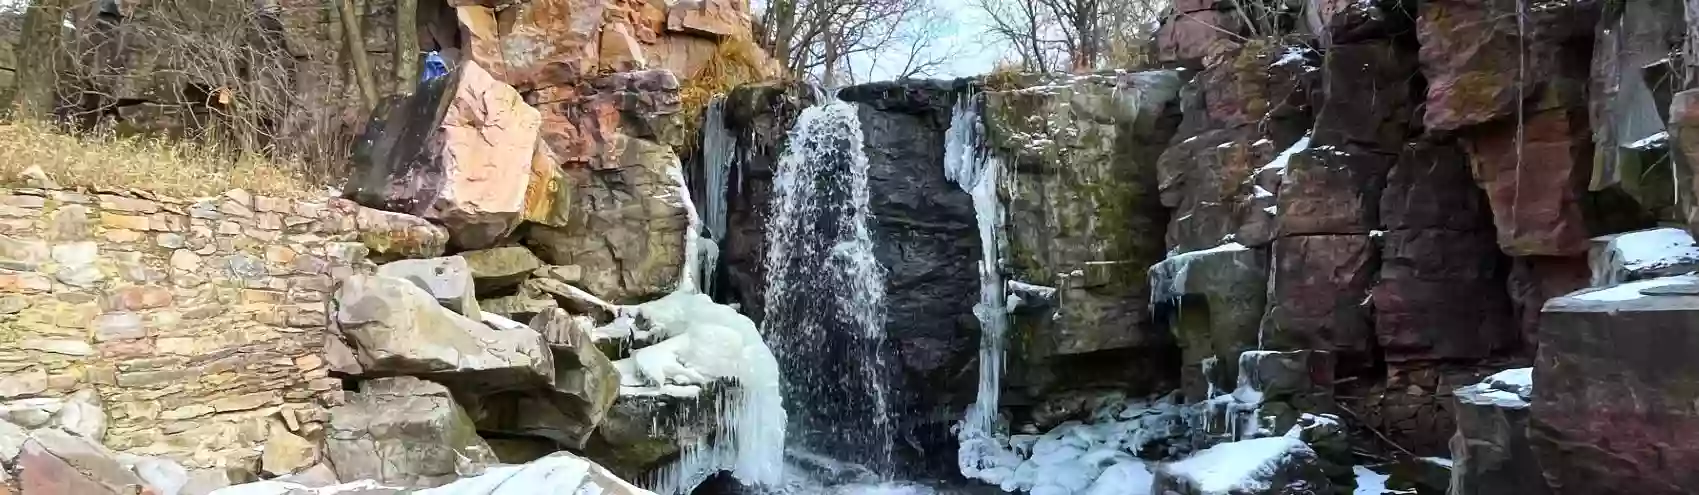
(1491, 453)
(502, 268)
(1332, 190)
(1264, 466)
(1440, 295)
(548, 43)
(457, 152)
(1213, 301)
(53, 462)
(523, 304)
(626, 225)
(586, 385)
(449, 280)
(406, 432)
(1615, 388)
(395, 327)
(392, 235)
(286, 452)
(1188, 36)
(1639, 255)
(641, 432)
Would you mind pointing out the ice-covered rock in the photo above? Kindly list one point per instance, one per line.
(1271, 466)
(1093, 456)
(1491, 449)
(1644, 254)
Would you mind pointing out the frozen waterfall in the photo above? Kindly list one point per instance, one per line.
(978, 174)
(825, 293)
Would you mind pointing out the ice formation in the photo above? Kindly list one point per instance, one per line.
(1643, 251)
(1084, 457)
(1513, 389)
(1244, 466)
(702, 342)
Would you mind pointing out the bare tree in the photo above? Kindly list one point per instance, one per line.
(363, 72)
(827, 39)
(406, 45)
(1077, 35)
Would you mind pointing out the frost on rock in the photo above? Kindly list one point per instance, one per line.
(1513, 389)
(1246, 466)
(1640, 255)
(1097, 457)
(1279, 162)
(1627, 292)
(701, 342)
(1168, 278)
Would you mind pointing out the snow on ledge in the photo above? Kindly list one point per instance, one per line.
(1631, 291)
(1236, 467)
(1510, 389)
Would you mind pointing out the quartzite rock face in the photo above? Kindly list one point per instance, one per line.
(1615, 388)
(1318, 288)
(1213, 302)
(1534, 174)
(1086, 161)
(405, 432)
(1483, 62)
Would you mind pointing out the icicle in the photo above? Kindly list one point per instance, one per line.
(719, 152)
(692, 234)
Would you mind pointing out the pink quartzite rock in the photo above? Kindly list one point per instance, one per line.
(1482, 62)
(487, 137)
(1614, 388)
(1535, 188)
(1319, 285)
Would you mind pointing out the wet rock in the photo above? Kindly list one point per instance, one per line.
(1613, 380)
(760, 116)
(403, 432)
(500, 268)
(1491, 452)
(395, 327)
(448, 280)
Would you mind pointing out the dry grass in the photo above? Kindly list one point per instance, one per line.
(735, 62)
(170, 167)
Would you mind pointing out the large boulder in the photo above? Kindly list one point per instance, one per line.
(585, 387)
(500, 268)
(1491, 453)
(390, 235)
(1535, 171)
(1615, 382)
(406, 432)
(54, 462)
(458, 152)
(395, 328)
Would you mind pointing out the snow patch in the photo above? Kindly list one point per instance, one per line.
(1279, 162)
(1512, 389)
(1238, 467)
(1631, 291)
(1095, 458)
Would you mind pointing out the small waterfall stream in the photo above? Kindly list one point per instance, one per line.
(825, 309)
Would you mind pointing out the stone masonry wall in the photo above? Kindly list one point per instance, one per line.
(199, 323)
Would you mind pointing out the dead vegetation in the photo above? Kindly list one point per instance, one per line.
(172, 167)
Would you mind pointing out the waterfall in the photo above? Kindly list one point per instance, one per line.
(978, 174)
(825, 315)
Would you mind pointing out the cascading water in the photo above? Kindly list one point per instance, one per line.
(825, 308)
(978, 174)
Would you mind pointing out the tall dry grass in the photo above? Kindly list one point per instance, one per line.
(177, 168)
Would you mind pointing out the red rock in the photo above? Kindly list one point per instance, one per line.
(1614, 388)
(710, 18)
(1319, 292)
(1535, 188)
(1369, 96)
(42, 473)
(1192, 36)
(480, 40)
(1537, 279)
(1332, 190)
(550, 42)
(1441, 296)
(487, 137)
(1474, 52)
(1430, 187)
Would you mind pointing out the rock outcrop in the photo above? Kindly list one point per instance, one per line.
(404, 432)
(1491, 452)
